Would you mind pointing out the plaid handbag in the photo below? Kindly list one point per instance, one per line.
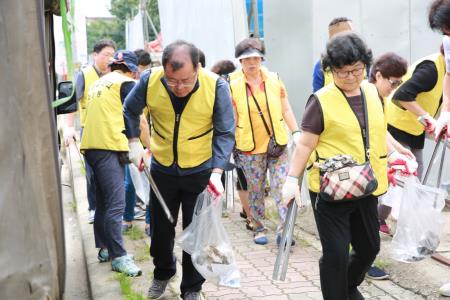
(342, 178)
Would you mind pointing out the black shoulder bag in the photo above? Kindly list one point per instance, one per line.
(273, 149)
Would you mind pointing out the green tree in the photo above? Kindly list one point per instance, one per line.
(124, 9)
(114, 29)
(105, 29)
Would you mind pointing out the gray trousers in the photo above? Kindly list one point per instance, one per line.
(109, 180)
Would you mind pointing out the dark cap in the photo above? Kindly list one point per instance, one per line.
(128, 58)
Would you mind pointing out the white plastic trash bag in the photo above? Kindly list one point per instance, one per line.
(206, 240)
(419, 222)
(393, 199)
(140, 182)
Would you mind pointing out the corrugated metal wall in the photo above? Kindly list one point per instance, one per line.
(296, 33)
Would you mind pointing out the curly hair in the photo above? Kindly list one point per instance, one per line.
(346, 49)
(223, 67)
(389, 64)
(249, 43)
(439, 15)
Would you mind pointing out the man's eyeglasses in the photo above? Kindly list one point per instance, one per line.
(345, 74)
(395, 82)
(186, 83)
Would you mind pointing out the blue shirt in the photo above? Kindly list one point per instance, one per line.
(318, 78)
(223, 123)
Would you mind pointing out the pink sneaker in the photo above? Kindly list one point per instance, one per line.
(384, 229)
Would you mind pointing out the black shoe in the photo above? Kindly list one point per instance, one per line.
(354, 294)
(243, 214)
(157, 288)
(249, 225)
(279, 241)
(192, 296)
(376, 273)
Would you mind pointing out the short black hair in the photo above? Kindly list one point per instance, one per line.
(201, 58)
(439, 15)
(223, 67)
(338, 20)
(346, 49)
(121, 67)
(143, 57)
(170, 49)
(249, 43)
(389, 64)
(98, 47)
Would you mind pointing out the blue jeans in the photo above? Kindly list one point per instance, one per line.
(90, 182)
(109, 178)
(147, 215)
(130, 197)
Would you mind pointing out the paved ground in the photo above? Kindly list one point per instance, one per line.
(409, 281)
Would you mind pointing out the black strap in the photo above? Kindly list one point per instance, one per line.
(364, 132)
(259, 108)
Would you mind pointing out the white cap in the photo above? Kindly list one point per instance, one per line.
(250, 53)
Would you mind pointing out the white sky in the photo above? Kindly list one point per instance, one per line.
(92, 9)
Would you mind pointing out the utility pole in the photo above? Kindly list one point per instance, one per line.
(143, 10)
(255, 14)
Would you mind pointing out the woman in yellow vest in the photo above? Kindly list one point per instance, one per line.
(334, 123)
(262, 111)
(386, 74)
(411, 111)
(105, 148)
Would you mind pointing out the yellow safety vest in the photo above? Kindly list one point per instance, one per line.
(244, 130)
(90, 76)
(327, 77)
(184, 139)
(405, 120)
(104, 125)
(342, 134)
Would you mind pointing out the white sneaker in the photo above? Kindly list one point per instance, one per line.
(91, 216)
(445, 290)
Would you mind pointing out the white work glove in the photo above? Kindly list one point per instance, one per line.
(215, 186)
(296, 137)
(401, 162)
(136, 153)
(443, 123)
(291, 190)
(69, 135)
(428, 122)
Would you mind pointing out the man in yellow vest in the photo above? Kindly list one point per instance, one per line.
(105, 148)
(103, 53)
(192, 137)
(411, 110)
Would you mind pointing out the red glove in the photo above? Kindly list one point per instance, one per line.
(391, 177)
(428, 122)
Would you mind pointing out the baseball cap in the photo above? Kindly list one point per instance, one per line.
(250, 53)
(128, 58)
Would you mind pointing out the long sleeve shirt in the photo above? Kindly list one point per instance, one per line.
(223, 123)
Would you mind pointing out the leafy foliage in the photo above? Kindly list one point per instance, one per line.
(122, 10)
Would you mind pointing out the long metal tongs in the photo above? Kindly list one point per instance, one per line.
(281, 263)
(156, 191)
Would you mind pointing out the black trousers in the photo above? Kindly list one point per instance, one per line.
(341, 225)
(176, 191)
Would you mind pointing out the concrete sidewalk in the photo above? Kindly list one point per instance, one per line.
(255, 262)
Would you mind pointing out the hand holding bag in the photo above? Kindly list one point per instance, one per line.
(343, 179)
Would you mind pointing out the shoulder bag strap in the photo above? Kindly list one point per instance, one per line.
(259, 110)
